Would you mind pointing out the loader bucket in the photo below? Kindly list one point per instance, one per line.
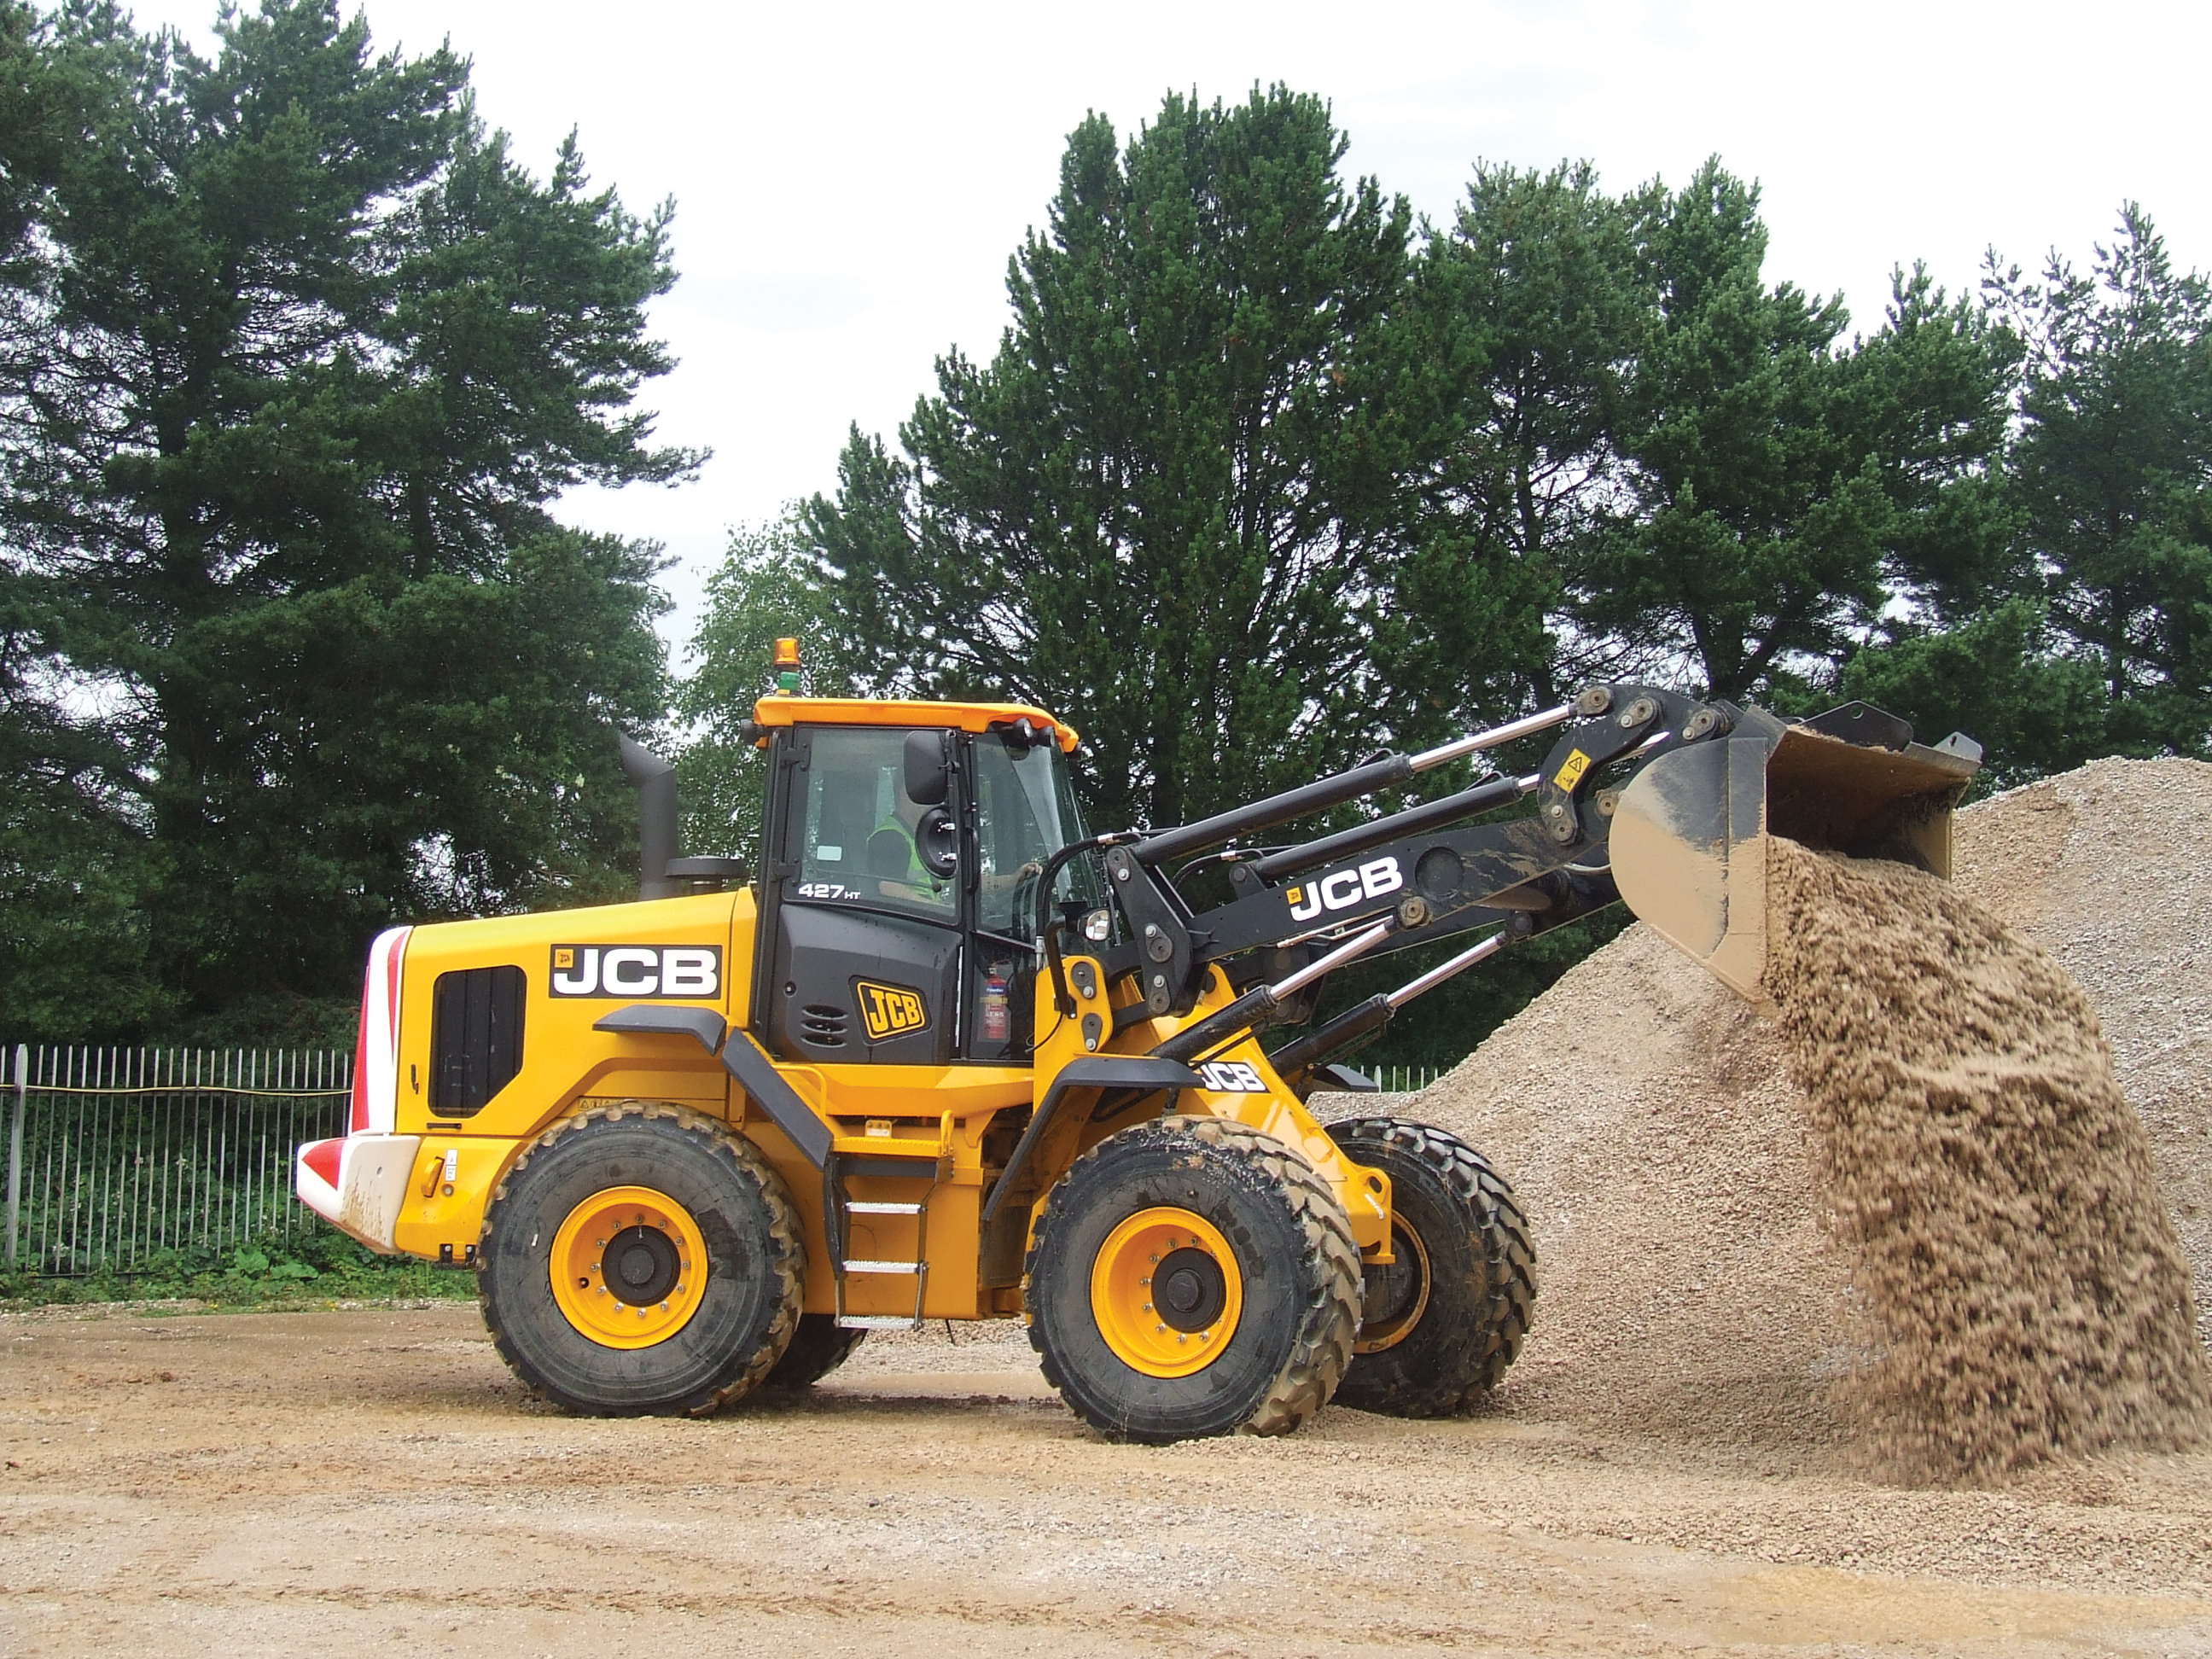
(1690, 831)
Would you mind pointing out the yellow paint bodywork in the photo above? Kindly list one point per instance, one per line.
(565, 1062)
(943, 1112)
(779, 710)
(1274, 1109)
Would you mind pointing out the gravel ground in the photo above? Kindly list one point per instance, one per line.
(254, 1484)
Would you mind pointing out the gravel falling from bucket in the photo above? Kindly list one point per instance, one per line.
(2021, 1292)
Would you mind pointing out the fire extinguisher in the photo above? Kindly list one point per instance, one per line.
(998, 1020)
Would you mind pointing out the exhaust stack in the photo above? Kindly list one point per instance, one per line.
(655, 780)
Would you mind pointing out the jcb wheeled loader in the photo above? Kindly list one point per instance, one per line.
(950, 1055)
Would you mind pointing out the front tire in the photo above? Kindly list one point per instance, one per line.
(1190, 1277)
(642, 1259)
(1439, 1327)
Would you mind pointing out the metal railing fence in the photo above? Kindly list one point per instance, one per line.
(1400, 1079)
(117, 1155)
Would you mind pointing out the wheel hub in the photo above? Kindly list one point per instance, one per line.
(627, 1266)
(1188, 1290)
(1394, 1296)
(1166, 1292)
(641, 1265)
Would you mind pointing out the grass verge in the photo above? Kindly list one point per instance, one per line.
(305, 1269)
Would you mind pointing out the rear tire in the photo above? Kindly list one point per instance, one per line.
(1264, 1291)
(817, 1348)
(690, 1313)
(1438, 1328)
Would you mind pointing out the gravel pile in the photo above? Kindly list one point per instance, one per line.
(1694, 1287)
(2019, 1283)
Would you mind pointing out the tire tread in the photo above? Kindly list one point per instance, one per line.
(1496, 1221)
(788, 1261)
(1320, 1351)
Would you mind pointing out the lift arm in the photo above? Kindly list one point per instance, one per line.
(1852, 777)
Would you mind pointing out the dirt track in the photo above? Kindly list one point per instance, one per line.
(328, 1481)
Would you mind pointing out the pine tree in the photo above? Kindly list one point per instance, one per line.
(1542, 316)
(1184, 505)
(304, 358)
(2112, 470)
(1782, 488)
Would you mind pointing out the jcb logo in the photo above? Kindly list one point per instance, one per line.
(1345, 888)
(646, 972)
(889, 1011)
(1233, 1077)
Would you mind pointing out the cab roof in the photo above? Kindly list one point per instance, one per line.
(778, 709)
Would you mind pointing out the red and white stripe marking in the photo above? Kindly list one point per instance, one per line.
(315, 1176)
(357, 1181)
(376, 1055)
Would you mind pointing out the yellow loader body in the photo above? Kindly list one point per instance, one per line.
(945, 1111)
(948, 1056)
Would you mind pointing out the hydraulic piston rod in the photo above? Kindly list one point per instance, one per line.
(1325, 792)
(1372, 1015)
(1358, 945)
(1459, 748)
(1257, 1007)
(1444, 971)
(1332, 849)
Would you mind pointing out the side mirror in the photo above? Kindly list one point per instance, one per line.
(928, 767)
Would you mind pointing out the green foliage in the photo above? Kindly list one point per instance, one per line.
(1256, 484)
(2113, 472)
(310, 1266)
(764, 590)
(1534, 310)
(1183, 507)
(75, 946)
(1782, 488)
(297, 357)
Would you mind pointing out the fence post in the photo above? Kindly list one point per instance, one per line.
(15, 1147)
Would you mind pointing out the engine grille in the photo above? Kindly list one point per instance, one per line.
(475, 1037)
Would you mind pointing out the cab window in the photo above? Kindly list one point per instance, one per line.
(860, 827)
(1025, 812)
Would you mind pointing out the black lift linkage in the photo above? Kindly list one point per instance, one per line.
(1404, 879)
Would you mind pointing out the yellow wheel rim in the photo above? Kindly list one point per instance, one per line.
(1168, 1323)
(1396, 1325)
(627, 1266)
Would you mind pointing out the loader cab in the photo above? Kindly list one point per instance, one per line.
(899, 885)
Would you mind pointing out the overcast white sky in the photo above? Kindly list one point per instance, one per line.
(851, 178)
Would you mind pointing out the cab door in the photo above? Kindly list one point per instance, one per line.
(864, 952)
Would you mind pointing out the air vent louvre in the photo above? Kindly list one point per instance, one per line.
(822, 1025)
(475, 1037)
